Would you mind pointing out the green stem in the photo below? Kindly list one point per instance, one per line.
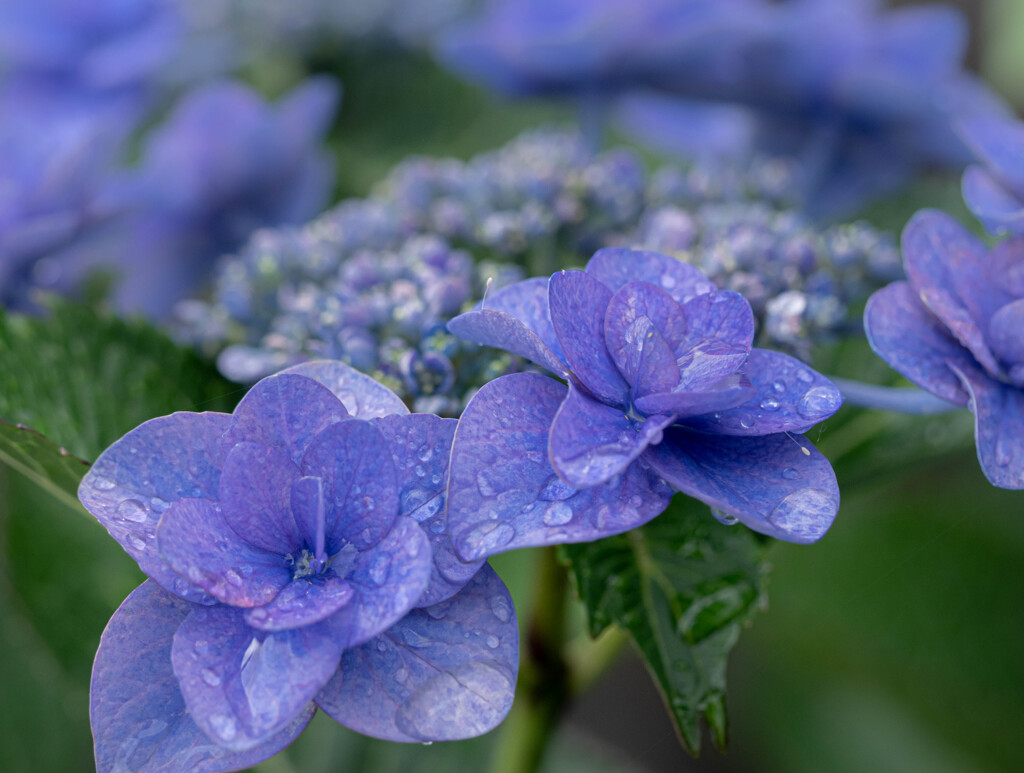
(543, 687)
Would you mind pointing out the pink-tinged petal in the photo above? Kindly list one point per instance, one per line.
(503, 331)
(788, 397)
(197, 542)
(590, 442)
(256, 497)
(139, 720)
(442, 673)
(285, 411)
(134, 481)
(636, 300)
(388, 580)
(527, 301)
(421, 446)
(1006, 333)
(578, 303)
(354, 462)
(998, 209)
(998, 426)
(999, 144)
(779, 485)
(301, 602)
(721, 395)
(242, 686)
(503, 492)
(362, 397)
(945, 265)
(617, 267)
(912, 341)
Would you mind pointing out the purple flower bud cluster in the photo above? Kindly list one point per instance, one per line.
(373, 281)
(299, 559)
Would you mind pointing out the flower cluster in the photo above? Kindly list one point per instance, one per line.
(298, 557)
(373, 281)
(956, 328)
(663, 393)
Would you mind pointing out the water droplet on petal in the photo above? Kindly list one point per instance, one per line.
(557, 490)
(137, 541)
(805, 376)
(500, 608)
(746, 421)
(103, 484)
(210, 677)
(426, 453)
(790, 473)
(490, 536)
(132, 510)
(379, 569)
(723, 517)
(223, 726)
(804, 514)
(778, 386)
(381, 645)
(233, 577)
(770, 404)
(819, 402)
(401, 675)
(557, 514)
(492, 642)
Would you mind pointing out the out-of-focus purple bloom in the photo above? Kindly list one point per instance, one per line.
(224, 164)
(956, 328)
(581, 47)
(296, 548)
(863, 96)
(56, 149)
(994, 189)
(96, 46)
(664, 392)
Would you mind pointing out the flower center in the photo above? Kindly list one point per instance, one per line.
(306, 564)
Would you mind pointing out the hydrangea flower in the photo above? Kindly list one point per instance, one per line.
(298, 557)
(663, 391)
(994, 189)
(956, 328)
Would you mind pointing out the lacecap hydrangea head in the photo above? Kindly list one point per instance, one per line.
(956, 328)
(663, 392)
(298, 558)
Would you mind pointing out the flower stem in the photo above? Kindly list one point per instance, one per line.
(543, 688)
(893, 399)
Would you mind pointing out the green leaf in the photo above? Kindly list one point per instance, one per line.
(84, 378)
(682, 586)
(48, 465)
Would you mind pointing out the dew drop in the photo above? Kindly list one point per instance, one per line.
(501, 609)
(159, 505)
(778, 386)
(804, 376)
(490, 536)
(210, 677)
(805, 514)
(492, 642)
(557, 514)
(132, 510)
(819, 402)
(414, 639)
(223, 726)
(137, 541)
(770, 404)
(233, 577)
(379, 570)
(437, 526)
(401, 675)
(103, 484)
(201, 646)
(790, 473)
(426, 454)
(435, 479)
(746, 421)
(557, 490)
(723, 517)
(381, 645)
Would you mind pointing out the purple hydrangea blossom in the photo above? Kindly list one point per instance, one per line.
(956, 328)
(994, 189)
(663, 392)
(298, 555)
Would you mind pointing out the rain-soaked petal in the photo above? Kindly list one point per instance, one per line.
(441, 673)
(503, 331)
(727, 392)
(421, 445)
(503, 492)
(912, 341)
(196, 540)
(134, 481)
(388, 580)
(998, 426)
(591, 442)
(616, 267)
(1006, 333)
(362, 397)
(779, 485)
(285, 411)
(788, 397)
(636, 300)
(527, 301)
(255, 497)
(578, 302)
(945, 264)
(353, 460)
(241, 685)
(139, 720)
(303, 601)
(720, 329)
(649, 364)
